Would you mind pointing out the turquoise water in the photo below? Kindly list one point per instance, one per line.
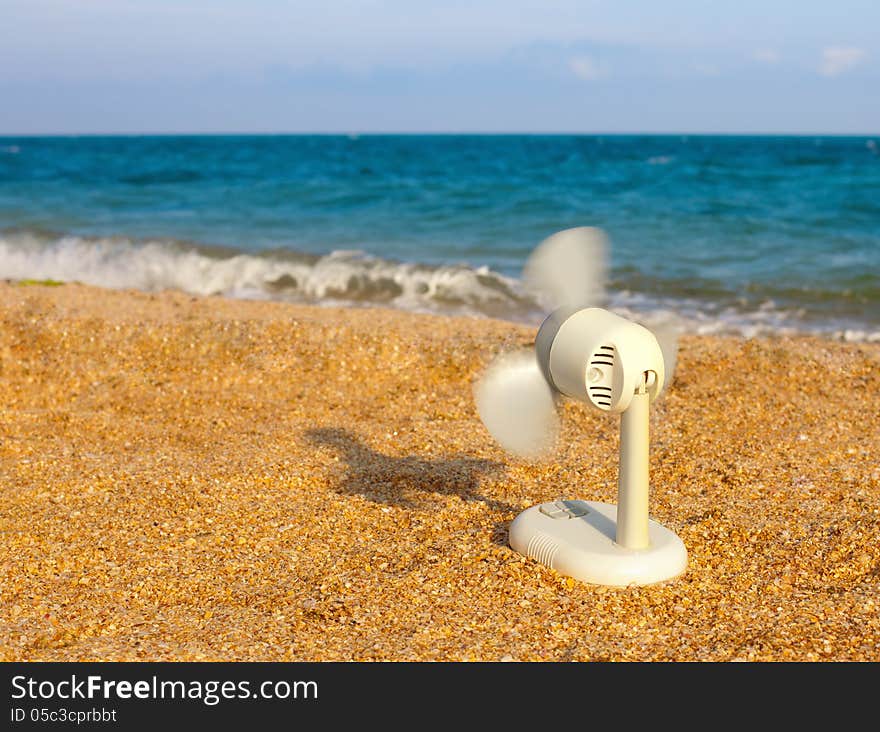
(731, 234)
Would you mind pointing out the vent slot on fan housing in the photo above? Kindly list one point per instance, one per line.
(600, 377)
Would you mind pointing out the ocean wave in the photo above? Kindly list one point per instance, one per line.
(351, 277)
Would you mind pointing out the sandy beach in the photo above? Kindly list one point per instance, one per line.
(189, 478)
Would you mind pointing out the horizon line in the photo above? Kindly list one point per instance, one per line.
(449, 133)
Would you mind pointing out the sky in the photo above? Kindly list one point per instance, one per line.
(587, 66)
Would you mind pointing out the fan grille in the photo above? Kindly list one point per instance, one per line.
(600, 389)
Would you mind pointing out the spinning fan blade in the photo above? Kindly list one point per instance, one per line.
(517, 405)
(570, 267)
(666, 332)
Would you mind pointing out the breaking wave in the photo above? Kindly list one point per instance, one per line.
(349, 277)
(355, 278)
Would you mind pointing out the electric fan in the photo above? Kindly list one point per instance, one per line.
(612, 364)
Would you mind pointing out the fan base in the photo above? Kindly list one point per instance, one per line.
(577, 539)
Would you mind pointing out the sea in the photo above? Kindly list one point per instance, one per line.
(751, 235)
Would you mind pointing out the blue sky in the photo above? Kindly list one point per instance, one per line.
(134, 66)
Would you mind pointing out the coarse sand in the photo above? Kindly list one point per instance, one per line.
(200, 478)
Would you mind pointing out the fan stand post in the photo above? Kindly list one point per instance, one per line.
(632, 476)
(601, 543)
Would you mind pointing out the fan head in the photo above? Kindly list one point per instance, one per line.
(581, 350)
(597, 357)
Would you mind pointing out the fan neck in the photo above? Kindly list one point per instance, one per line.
(632, 478)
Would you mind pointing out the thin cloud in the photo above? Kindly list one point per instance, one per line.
(584, 67)
(766, 56)
(703, 69)
(837, 60)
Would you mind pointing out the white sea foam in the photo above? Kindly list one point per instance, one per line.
(356, 278)
(341, 276)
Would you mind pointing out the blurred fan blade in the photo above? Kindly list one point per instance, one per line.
(666, 332)
(569, 268)
(517, 405)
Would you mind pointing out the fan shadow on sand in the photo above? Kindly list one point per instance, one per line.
(409, 480)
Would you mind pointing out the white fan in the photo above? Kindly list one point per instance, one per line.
(587, 353)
